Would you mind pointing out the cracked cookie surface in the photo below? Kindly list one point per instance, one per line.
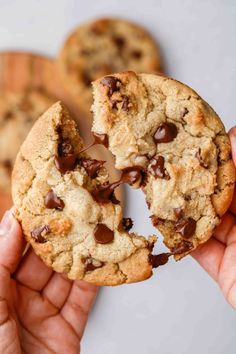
(18, 112)
(178, 143)
(55, 190)
(101, 47)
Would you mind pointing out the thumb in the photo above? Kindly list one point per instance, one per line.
(11, 242)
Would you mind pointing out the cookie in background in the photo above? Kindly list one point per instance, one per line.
(18, 112)
(101, 47)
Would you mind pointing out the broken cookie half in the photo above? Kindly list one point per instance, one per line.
(68, 209)
(172, 138)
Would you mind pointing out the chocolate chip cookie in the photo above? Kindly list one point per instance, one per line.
(176, 146)
(18, 112)
(101, 47)
(68, 209)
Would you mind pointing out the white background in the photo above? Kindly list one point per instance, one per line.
(180, 310)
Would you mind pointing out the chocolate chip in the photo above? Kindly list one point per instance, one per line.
(187, 197)
(186, 227)
(182, 247)
(8, 115)
(127, 223)
(179, 212)
(66, 159)
(91, 166)
(52, 201)
(119, 42)
(111, 82)
(86, 78)
(157, 167)
(165, 133)
(131, 175)
(39, 233)
(89, 264)
(7, 165)
(198, 155)
(125, 103)
(102, 234)
(105, 193)
(159, 259)
(136, 54)
(101, 139)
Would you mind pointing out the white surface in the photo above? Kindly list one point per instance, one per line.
(180, 310)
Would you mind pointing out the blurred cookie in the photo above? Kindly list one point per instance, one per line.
(18, 112)
(163, 129)
(101, 47)
(68, 210)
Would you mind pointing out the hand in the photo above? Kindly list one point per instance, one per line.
(218, 255)
(40, 311)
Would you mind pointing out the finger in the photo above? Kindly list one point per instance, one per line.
(32, 272)
(227, 273)
(210, 256)
(232, 207)
(232, 136)
(57, 290)
(222, 231)
(79, 303)
(11, 242)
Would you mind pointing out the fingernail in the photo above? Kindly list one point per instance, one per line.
(6, 223)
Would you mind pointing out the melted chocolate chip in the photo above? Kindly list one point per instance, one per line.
(136, 54)
(52, 201)
(179, 212)
(39, 233)
(105, 193)
(66, 159)
(200, 159)
(101, 139)
(157, 167)
(125, 103)
(182, 247)
(165, 133)
(90, 266)
(127, 223)
(102, 234)
(186, 227)
(131, 175)
(159, 259)
(91, 166)
(111, 82)
(65, 163)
